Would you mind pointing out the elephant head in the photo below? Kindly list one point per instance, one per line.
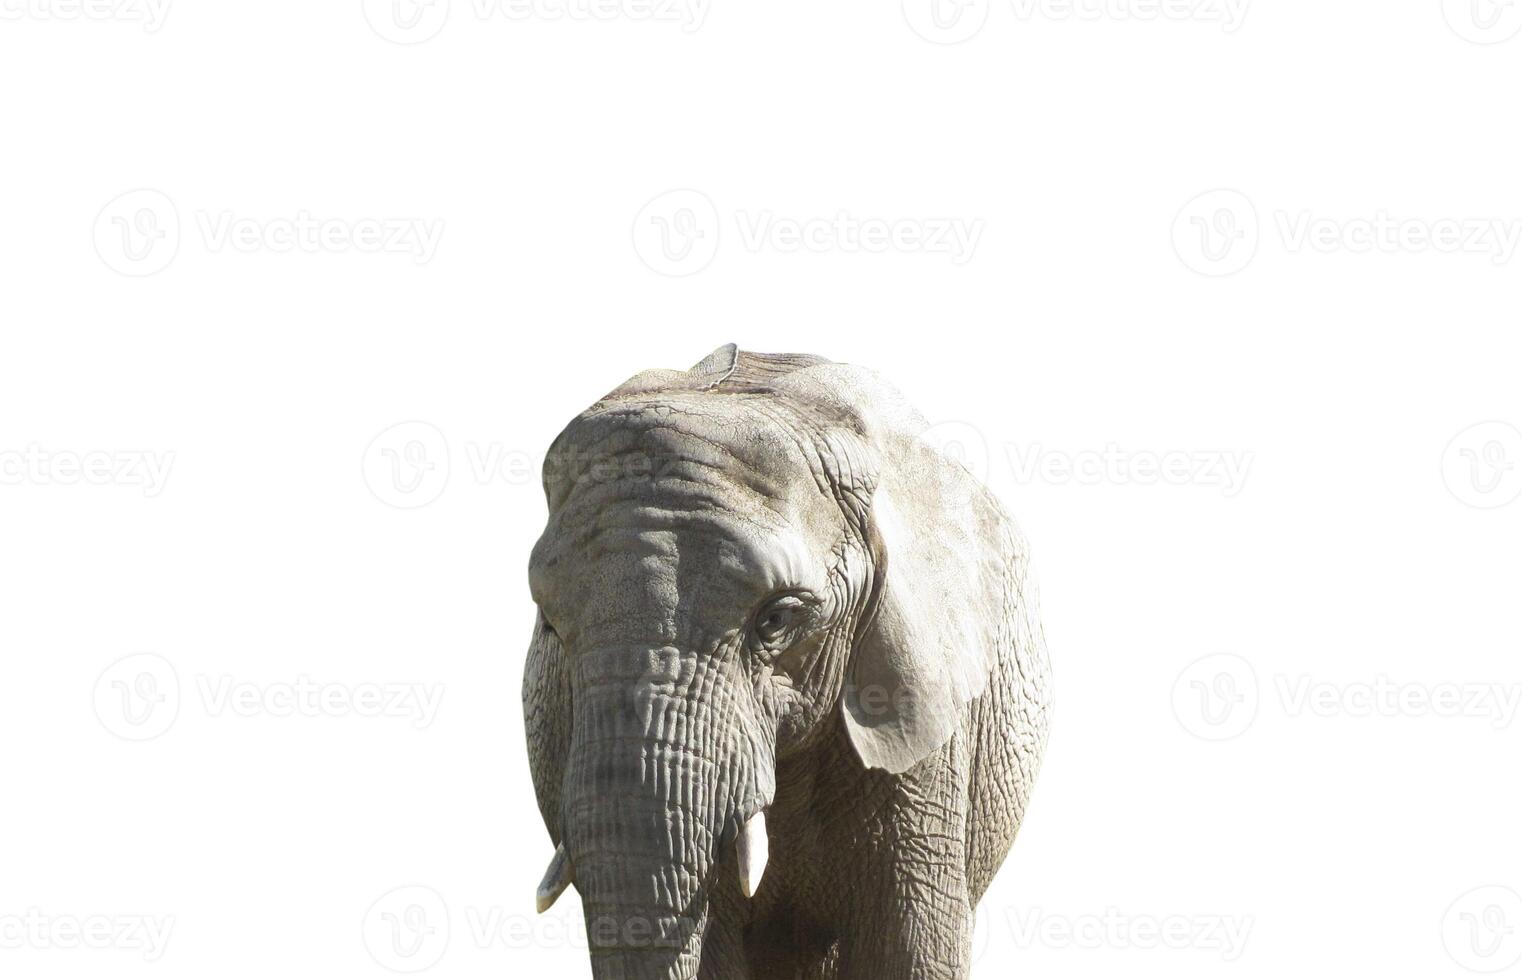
(740, 561)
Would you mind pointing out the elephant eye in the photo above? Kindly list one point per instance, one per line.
(777, 620)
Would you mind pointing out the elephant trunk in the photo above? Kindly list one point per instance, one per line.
(660, 785)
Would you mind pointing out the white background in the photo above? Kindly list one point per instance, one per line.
(1108, 315)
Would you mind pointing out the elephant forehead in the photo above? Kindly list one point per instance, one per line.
(738, 442)
(684, 503)
(745, 463)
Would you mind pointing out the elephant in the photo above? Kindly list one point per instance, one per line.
(787, 691)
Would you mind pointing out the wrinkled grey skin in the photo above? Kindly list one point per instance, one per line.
(760, 590)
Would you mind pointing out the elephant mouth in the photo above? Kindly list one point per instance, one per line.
(752, 851)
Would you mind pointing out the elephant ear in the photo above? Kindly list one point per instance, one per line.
(941, 595)
(547, 722)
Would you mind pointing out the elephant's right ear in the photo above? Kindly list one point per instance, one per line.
(547, 721)
(941, 598)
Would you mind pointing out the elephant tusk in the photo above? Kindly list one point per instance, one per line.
(556, 878)
(751, 848)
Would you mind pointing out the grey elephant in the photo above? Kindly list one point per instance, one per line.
(788, 692)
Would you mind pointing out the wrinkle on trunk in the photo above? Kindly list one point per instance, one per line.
(657, 782)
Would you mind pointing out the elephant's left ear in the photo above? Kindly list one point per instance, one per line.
(944, 598)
